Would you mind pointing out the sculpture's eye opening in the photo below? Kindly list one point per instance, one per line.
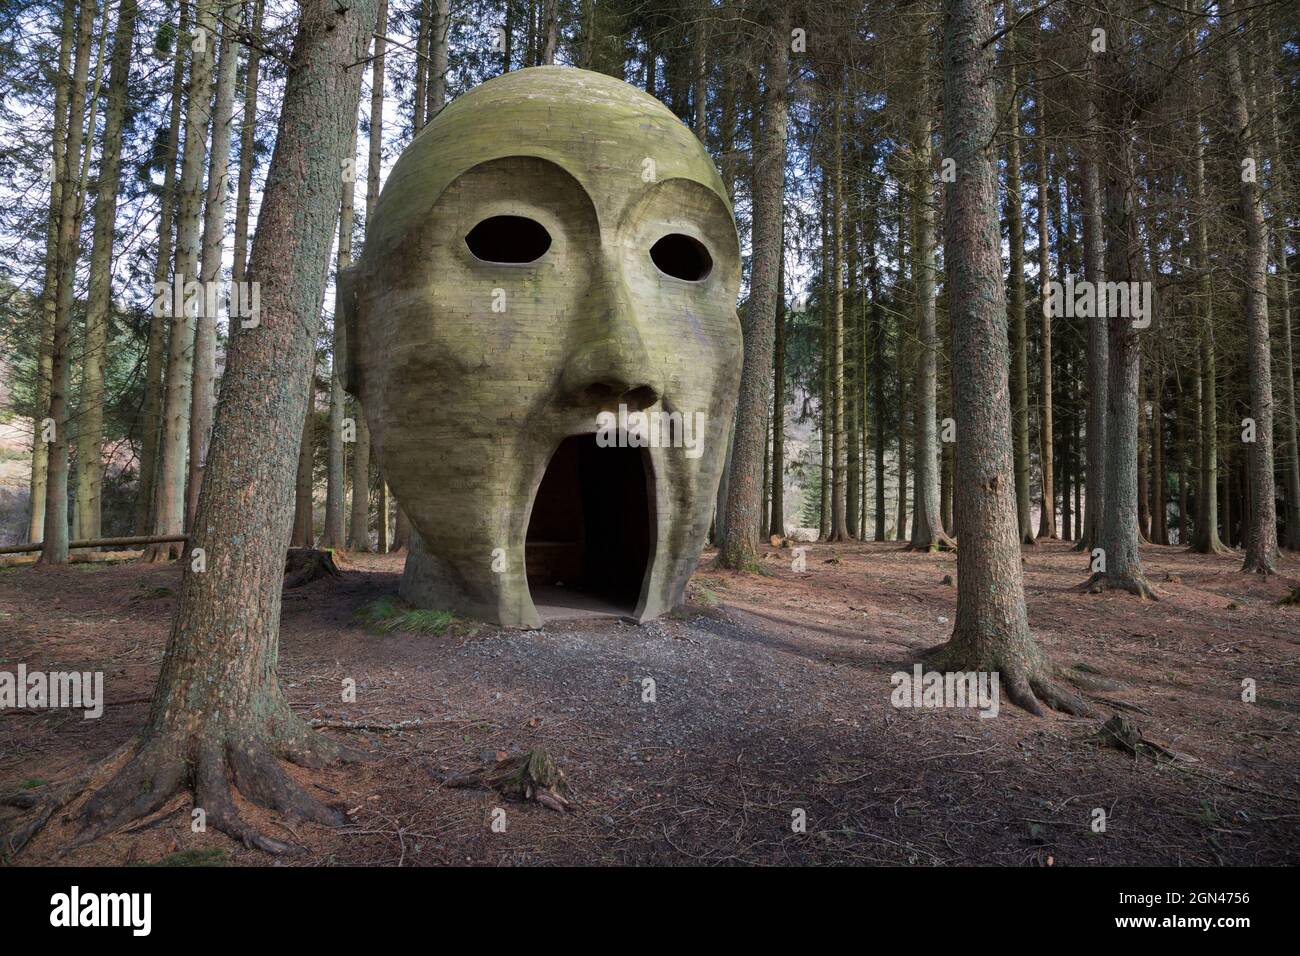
(508, 239)
(682, 257)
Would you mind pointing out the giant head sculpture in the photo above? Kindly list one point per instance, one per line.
(542, 333)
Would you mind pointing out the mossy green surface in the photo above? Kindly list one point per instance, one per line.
(473, 372)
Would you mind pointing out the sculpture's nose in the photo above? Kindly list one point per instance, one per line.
(610, 364)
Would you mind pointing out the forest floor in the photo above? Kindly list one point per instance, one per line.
(772, 694)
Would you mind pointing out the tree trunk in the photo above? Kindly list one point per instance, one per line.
(740, 546)
(204, 397)
(776, 525)
(1047, 512)
(839, 530)
(1098, 350)
(49, 291)
(90, 434)
(359, 517)
(335, 535)
(382, 513)
(991, 631)
(927, 527)
(218, 711)
(421, 65)
(551, 32)
(55, 533)
(1282, 193)
(852, 370)
(1019, 332)
(900, 524)
(247, 144)
(438, 57)
(160, 320)
(1159, 513)
(1261, 549)
(1119, 535)
(303, 533)
(169, 507)
(1207, 540)
(878, 377)
(359, 520)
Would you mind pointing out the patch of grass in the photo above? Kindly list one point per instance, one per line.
(1205, 814)
(31, 783)
(388, 615)
(154, 594)
(209, 856)
(715, 584)
(706, 597)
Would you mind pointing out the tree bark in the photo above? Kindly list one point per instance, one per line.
(551, 34)
(1261, 547)
(359, 520)
(927, 525)
(421, 65)
(1282, 194)
(55, 536)
(1118, 537)
(1098, 350)
(218, 711)
(49, 290)
(438, 57)
(1019, 332)
(303, 533)
(839, 530)
(776, 526)
(160, 320)
(90, 434)
(740, 547)
(247, 144)
(335, 533)
(991, 631)
(1207, 539)
(203, 390)
(1047, 501)
(169, 507)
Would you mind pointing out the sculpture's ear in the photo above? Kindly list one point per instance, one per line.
(347, 315)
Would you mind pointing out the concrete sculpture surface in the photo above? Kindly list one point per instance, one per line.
(542, 332)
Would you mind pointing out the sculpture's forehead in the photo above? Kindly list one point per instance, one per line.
(614, 139)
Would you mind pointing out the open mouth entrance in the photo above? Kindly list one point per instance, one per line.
(589, 539)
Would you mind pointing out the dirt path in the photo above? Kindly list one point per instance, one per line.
(771, 695)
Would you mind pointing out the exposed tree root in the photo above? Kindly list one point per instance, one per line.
(939, 541)
(213, 768)
(1259, 564)
(1122, 733)
(1028, 686)
(1086, 679)
(1132, 583)
(162, 553)
(1215, 547)
(45, 801)
(304, 565)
